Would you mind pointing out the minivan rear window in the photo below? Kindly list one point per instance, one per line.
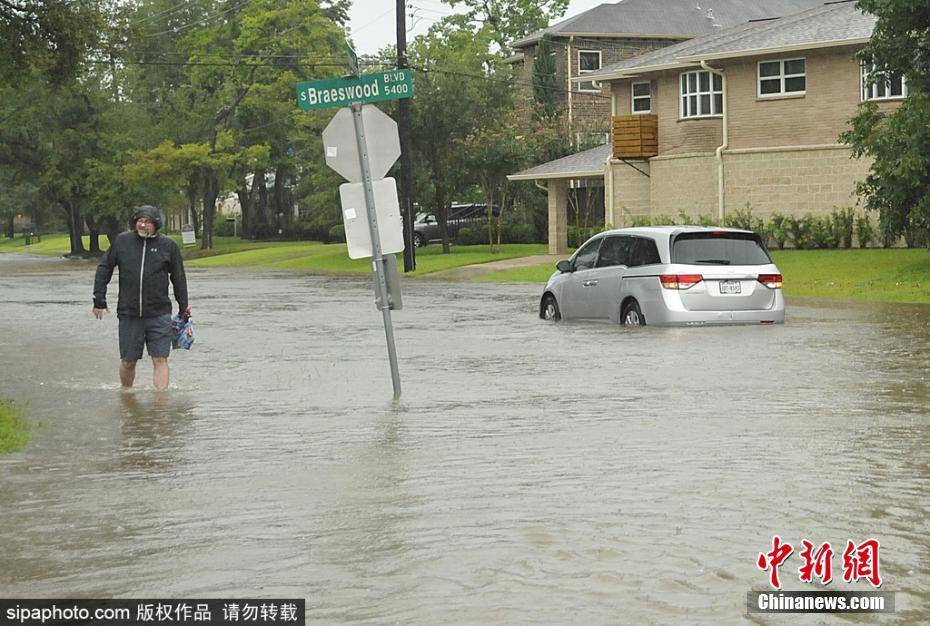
(719, 248)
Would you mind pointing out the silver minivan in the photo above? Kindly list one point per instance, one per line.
(668, 275)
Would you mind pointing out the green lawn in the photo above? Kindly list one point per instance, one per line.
(14, 429)
(58, 244)
(332, 258)
(874, 274)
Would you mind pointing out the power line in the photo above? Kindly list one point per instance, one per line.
(203, 21)
(180, 5)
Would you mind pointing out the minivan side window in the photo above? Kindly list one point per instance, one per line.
(585, 257)
(645, 252)
(615, 251)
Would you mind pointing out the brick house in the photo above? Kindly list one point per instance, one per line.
(611, 33)
(750, 114)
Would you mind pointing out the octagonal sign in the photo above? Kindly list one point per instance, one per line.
(341, 146)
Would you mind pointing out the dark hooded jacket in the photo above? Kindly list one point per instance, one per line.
(145, 266)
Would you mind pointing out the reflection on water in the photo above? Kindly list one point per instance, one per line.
(532, 473)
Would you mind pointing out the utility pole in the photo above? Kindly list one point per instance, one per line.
(406, 163)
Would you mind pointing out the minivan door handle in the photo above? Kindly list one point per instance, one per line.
(589, 283)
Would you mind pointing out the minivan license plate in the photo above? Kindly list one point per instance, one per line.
(729, 286)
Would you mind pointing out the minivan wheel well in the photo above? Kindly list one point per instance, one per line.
(624, 304)
(542, 303)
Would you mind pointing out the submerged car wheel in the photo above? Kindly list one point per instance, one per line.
(550, 309)
(632, 315)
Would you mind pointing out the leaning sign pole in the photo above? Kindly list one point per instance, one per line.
(361, 144)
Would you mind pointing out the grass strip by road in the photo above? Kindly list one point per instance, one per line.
(58, 244)
(15, 431)
(874, 274)
(333, 259)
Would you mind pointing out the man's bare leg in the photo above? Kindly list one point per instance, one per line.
(160, 377)
(127, 373)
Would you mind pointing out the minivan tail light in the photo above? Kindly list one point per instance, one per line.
(772, 281)
(680, 281)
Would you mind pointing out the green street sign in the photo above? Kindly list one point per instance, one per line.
(340, 92)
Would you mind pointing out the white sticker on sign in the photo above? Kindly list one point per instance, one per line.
(350, 214)
(332, 152)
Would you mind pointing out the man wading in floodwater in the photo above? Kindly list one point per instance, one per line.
(145, 259)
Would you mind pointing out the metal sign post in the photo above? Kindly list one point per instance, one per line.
(377, 261)
(358, 161)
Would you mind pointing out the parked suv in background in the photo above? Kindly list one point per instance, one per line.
(668, 275)
(426, 225)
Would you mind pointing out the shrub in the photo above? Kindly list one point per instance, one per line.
(640, 220)
(519, 233)
(778, 230)
(739, 218)
(468, 236)
(578, 235)
(799, 231)
(865, 233)
(821, 232)
(337, 234)
(222, 228)
(843, 220)
(707, 220)
(685, 219)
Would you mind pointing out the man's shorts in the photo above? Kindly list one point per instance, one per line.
(152, 332)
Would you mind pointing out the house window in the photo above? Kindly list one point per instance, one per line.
(642, 97)
(894, 89)
(701, 94)
(780, 78)
(588, 61)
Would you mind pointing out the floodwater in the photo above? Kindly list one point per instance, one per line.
(532, 473)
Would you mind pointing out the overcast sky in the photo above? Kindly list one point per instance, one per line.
(374, 24)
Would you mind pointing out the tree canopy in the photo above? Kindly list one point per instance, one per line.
(898, 183)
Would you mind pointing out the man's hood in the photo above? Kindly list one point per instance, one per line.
(150, 212)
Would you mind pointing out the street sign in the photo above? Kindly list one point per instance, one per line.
(341, 148)
(355, 218)
(340, 92)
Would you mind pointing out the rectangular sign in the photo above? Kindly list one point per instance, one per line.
(355, 218)
(340, 92)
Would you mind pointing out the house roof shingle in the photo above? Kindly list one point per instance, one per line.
(586, 163)
(666, 18)
(830, 24)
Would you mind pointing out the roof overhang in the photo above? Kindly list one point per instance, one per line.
(697, 58)
(580, 174)
(632, 72)
(520, 43)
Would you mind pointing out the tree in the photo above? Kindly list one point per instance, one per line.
(50, 36)
(508, 20)
(457, 91)
(898, 183)
(495, 150)
(544, 87)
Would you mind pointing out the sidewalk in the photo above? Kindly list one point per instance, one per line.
(468, 272)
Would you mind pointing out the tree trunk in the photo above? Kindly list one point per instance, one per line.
(9, 226)
(111, 224)
(75, 228)
(94, 235)
(211, 190)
